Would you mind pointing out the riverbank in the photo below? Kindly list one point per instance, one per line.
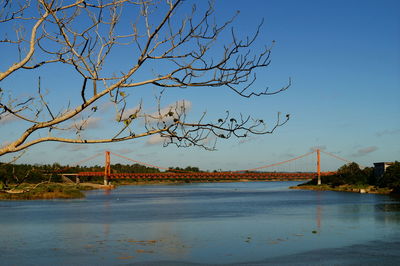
(47, 191)
(50, 190)
(53, 190)
(346, 188)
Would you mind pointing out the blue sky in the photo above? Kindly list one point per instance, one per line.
(344, 61)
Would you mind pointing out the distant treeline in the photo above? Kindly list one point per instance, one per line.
(12, 173)
(352, 174)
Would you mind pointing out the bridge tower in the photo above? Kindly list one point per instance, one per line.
(319, 166)
(107, 169)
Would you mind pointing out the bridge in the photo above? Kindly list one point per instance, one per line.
(257, 173)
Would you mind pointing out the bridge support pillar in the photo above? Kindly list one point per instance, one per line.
(107, 169)
(319, 166)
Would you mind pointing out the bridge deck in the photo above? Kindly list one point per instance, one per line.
(206, 175)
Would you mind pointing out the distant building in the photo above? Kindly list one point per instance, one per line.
(380, 168)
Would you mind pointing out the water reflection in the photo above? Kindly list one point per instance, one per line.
(319, 208)
(204, 223)
(388, 213)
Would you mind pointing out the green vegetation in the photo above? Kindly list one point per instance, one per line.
(11, 174)
(391, 178)
(133, 168)
(27, 191)
(187, 169)
(19, 173)
(24, 181)
(350, 177)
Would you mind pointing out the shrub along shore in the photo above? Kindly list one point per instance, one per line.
(350, 178)
(49, 190)
(346, 188)
(42, 185)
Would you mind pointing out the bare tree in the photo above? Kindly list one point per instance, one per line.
(162, 47)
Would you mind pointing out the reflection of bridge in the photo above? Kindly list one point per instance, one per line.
(248, 174)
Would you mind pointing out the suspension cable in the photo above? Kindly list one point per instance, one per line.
(339, 158)
(79, 162)
(142, 163)
(246, 170)
(275, 164)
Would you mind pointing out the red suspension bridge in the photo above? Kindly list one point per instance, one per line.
(258, 173)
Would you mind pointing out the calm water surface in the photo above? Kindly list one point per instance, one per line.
(257, 223)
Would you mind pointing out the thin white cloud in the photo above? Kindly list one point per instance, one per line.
(104, 107)
(365, 151)
(7, 118)
(128, 112)
(89, 123)
(154, 139)
(211, 139)
(247, 139)
(388, 132)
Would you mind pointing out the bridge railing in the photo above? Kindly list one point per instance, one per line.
(206, 175)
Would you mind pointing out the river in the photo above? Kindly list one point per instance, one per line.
(257, 223)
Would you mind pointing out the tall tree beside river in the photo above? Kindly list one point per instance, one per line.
(107, 51)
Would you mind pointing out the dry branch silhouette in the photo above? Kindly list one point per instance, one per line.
(82, 37)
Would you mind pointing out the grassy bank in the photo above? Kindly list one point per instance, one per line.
(346, 188)
(28, 191)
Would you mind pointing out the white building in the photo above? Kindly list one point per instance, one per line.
(380, 168)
